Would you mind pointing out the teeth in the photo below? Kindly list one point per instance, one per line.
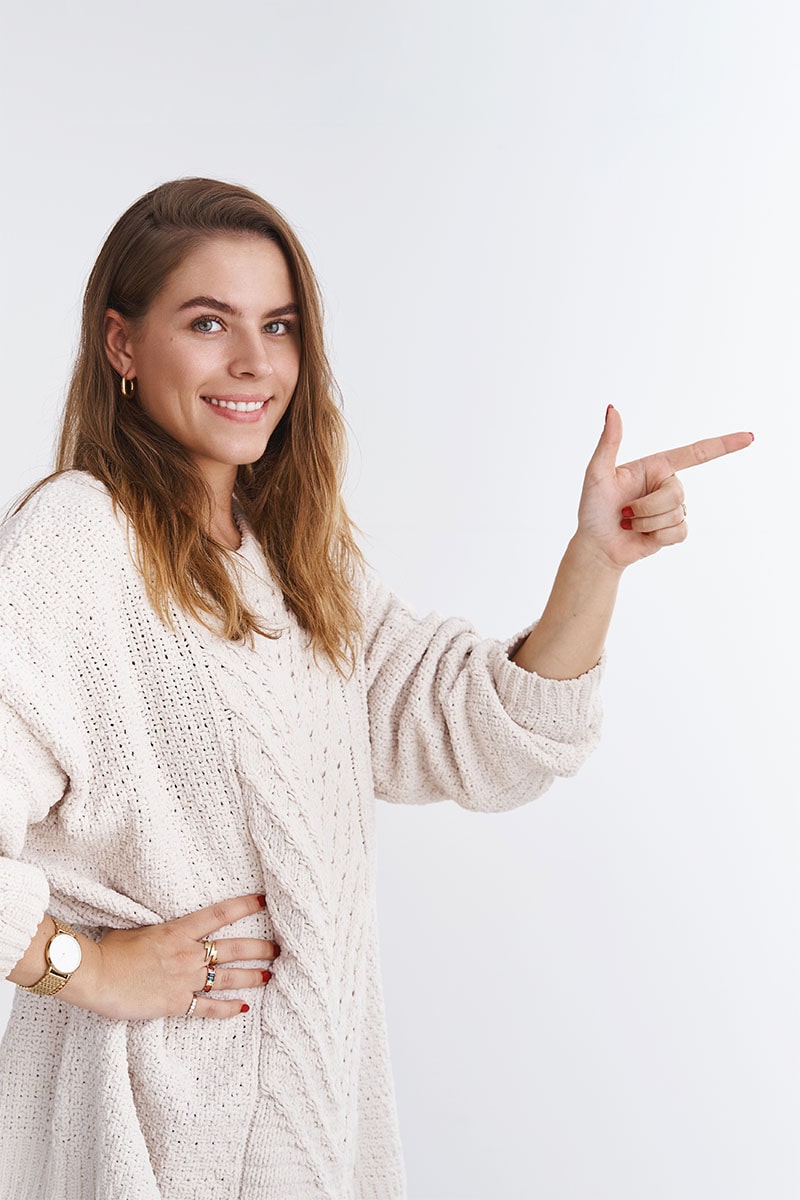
(237, 406)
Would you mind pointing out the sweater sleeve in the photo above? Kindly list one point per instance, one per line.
(31, 782)
(451, 717)
(37, 562)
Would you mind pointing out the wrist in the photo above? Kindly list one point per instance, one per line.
(62, 954)
(47, 962)
(586, 555)
(83, 986)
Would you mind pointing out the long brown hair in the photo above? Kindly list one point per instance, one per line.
(291, 496)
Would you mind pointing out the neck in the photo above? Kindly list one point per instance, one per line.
(227, 535)
(221, 480)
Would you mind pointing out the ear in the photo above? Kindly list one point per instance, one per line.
(118, 343)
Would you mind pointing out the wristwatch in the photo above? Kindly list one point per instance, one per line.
(63, 955)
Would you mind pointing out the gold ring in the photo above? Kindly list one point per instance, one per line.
(210, 976)
(192, 1006)
(685, 511)
(210, 959)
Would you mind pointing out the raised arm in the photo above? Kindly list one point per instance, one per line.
(451, 718)
(626, 513)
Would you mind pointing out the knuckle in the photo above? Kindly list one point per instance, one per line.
(236, 947)
(671, 536)
(220, 914)
(186, 954)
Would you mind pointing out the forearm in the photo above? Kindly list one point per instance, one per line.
(571, 634)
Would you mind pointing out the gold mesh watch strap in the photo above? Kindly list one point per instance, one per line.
(52, 981)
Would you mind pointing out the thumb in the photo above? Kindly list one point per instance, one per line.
(605, 456)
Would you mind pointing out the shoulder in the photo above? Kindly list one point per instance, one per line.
(67, 530)
(59, 500)
(67, 509)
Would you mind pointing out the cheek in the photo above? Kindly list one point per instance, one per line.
(166, 376)
(185, 363)
(292, 366)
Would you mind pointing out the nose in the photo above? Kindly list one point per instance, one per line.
(250, 355)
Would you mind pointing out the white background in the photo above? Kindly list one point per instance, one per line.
(519, 212)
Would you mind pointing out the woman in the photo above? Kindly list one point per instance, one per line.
(202, 691)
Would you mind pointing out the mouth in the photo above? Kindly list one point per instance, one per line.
(242, 404)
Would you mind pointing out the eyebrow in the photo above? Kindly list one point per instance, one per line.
(220, 305)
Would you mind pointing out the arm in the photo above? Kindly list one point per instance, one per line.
(130, 974)
(625, 513)
(452, 718)
(153, 972)
(48, 566)
(31, 782)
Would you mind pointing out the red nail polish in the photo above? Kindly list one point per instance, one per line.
(245, 1008)
(266, 976)
(262, 900)
(627, 523)
(627, 511)
(277, 949)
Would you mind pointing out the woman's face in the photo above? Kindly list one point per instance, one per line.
(216, 357)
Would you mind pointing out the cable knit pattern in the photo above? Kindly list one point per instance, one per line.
(147, 772)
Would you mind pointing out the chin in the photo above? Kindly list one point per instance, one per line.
(244, 456)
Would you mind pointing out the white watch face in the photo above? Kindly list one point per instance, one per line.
(64, 953)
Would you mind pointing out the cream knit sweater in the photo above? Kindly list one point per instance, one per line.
(145, 773)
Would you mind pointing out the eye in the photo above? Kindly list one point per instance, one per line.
(202, 324)
(279, 328)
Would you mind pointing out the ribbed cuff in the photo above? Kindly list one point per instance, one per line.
(564, 709)
(24, 897)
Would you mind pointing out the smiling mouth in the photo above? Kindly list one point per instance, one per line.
(236, 405)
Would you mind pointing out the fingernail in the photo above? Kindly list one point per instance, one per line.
(608, 410)
(266, 976)
(627, 511)
(626, 524)
(262, 900)
(752, 437)
(277, 949)
(245, 1008)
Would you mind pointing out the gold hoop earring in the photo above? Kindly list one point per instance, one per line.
(123, 387)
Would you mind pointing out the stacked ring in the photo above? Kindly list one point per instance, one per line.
(210, 959)
(210, 976)
(192, 1006)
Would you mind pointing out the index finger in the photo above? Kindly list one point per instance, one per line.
(216, 916)
(701, 452)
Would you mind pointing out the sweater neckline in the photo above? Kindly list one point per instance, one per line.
(249, 552)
